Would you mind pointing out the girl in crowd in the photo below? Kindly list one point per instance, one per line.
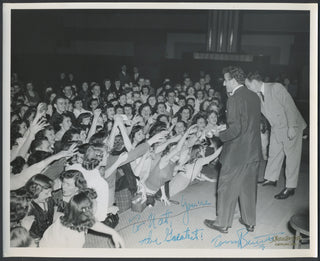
(70, 229)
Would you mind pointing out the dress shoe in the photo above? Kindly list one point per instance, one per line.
(285, 193)
(210, 223)
(269, 183)
(248, 227)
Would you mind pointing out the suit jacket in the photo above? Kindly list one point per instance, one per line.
(124, 78)
(280, 110)
(242, 141)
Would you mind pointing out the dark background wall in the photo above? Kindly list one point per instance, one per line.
(95, 43)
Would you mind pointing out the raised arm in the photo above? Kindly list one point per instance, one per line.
(208, 159)
(96, 115)
(19, 180)
(123, 131)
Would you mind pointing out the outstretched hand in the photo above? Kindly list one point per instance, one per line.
(159, 137)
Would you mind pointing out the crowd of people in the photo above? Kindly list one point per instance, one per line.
(80, 152)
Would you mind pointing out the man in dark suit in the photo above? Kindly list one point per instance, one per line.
(240, 156)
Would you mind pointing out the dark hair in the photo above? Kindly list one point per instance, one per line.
(157, 127)
(20, 237)
(19, 204)
(75, 99)
(57, 98)
(91, 158)
(144, 105)
(15, 128)
(195, 153)
(134, 130)
(17, 165)
(29, 113)
(254, 76)
(83, 116)
(162, 115)
(36, 143)
(199, 115)
(235, 73)
(78, 177)
(68, 135)
(37, 183)
(38, 156)
(58, 120)
(78, 214)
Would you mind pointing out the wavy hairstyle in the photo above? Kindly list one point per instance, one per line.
(78, 214)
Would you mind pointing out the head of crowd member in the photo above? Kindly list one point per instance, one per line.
(197, 151)
(136, 106)
(180, 128)
(84, 119)
(72, 181)
(191, 102)
(96, 91)
(29, 115)
(47, 132)
(187, 82)
(16, 88)
(145, 90)
(147, 82)
(200, 95)
(117, 84)
(110, 111)
(191, 91)
(39, 187)
(161, 108)
(29, 86)
(185, 114)
(202, 82)
(254, 82)
(79, 212)
(233, 78)
(84, 87)
(214, 106)
(119, 109)
(114, 102)
(137, 134)
(69, 105)
(107, 84)
(94, 156)
(110, 96)
(207, 78)
(211, 93)
(122, 99)
(19, 128)
(40, 143)
(128, 94)
(136, 96)
(201, 121)
(145, 111)
(207, 87)
(60, 104)
(164, 118)
(178, 87)
(67, 91)
(72, 134)
(140, 82)
(22, 109)
(94, 104)
(204, 105)
(128, 110)
(161, 98)
(212, 118)
(63, 122)
(171, 97)
(17, 165)
(182, 101)
(156, 128)
(77, 103)
(38, 156)
(197, 86)
(152, 101)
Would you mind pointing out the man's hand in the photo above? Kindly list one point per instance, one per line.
(159, 137)
(291, 133)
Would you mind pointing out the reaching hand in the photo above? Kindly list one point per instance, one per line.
(68, 153)
(41, 109)
(159, 137)
(96, 113)
(38, 125)
(118, 240)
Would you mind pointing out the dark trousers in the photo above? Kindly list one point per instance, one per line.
(237, 183)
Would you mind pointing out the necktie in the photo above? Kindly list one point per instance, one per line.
(171, 110)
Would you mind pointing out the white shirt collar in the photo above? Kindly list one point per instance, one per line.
(262, 88)
(235, 89)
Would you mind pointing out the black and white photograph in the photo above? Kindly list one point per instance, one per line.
(160, 129)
